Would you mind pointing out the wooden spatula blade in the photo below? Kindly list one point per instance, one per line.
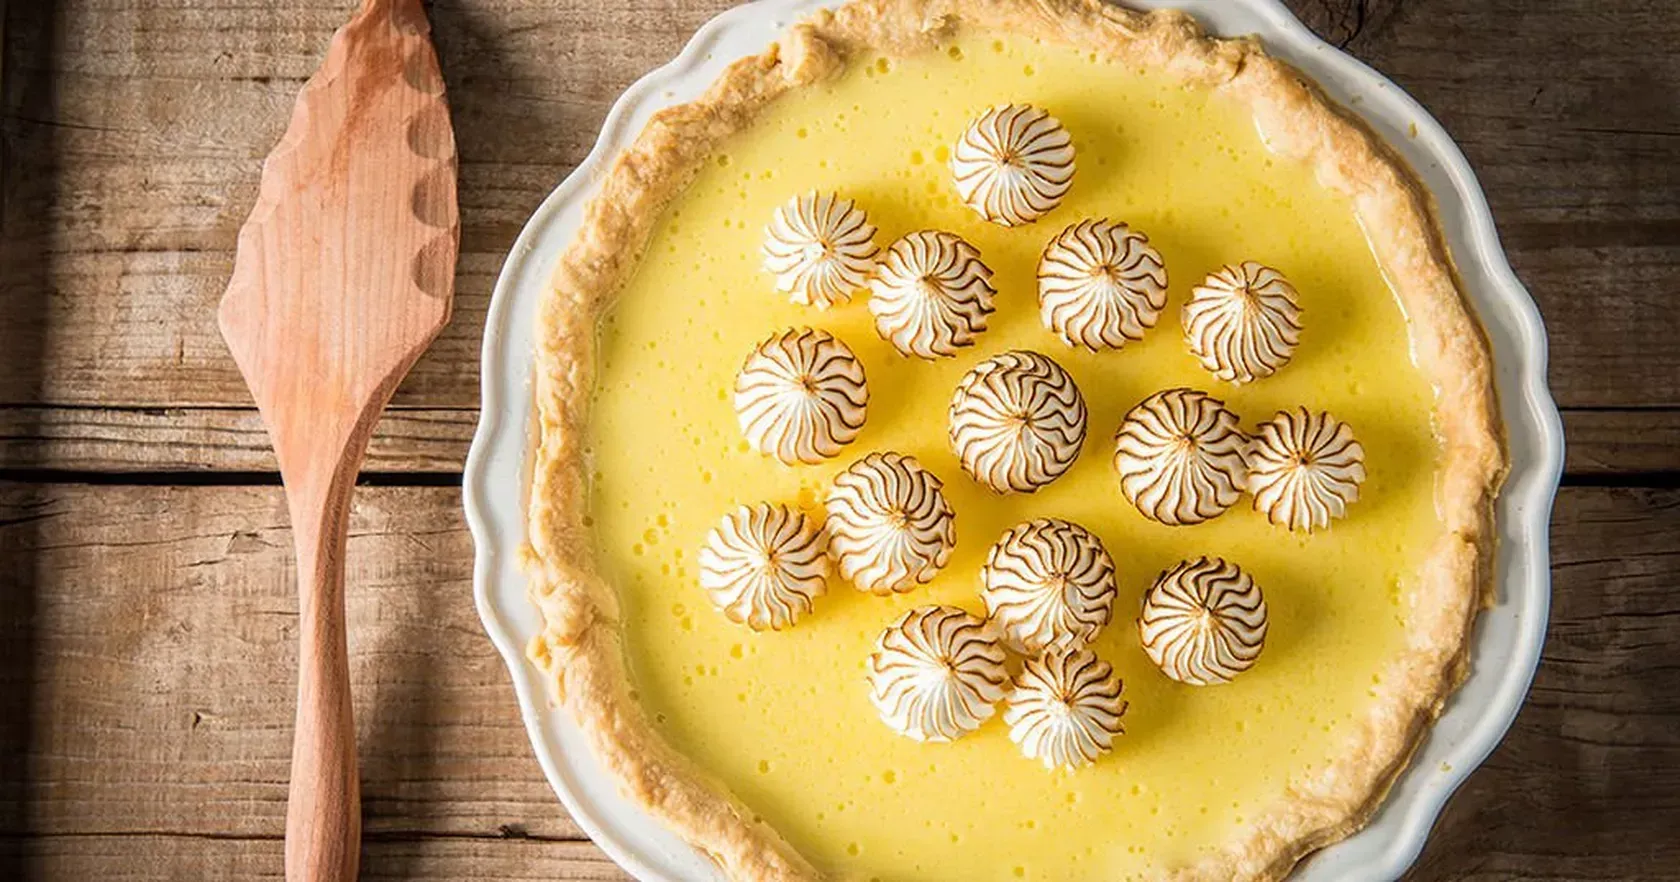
(344, 269)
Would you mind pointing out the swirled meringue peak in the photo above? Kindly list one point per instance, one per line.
(1100, 285)
(936, 673)
(1048, 581)
(1304, 469)
(801, 396)
(931, 294)
(1065, 707)
(889, 526)
(1181, 457)
(1203, 622)
(1014, 164)
(820, 248)
(1243, 322)
(1017, 422)
(763, 565)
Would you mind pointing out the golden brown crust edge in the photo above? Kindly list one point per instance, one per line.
(581, 647)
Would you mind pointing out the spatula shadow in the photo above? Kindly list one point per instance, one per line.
(491, 107)
(29, 147)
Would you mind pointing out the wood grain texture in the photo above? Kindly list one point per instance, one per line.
(1587, 784)
(344, 274)
(1607, 443)
(136, 132)
(137, 158)
(160, 625)
(434, 441)
(146, 857)
(211, 439)
(141, 713)
(147, 633)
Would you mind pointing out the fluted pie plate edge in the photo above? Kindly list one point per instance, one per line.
(1508, 636)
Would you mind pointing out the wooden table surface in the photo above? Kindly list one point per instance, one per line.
(147, 616)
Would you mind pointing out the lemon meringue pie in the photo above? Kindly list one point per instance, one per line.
(1305, 469)
(763, 565)
(889, 526)
(1065, 707)
(1181, 457)
(1243, 322)
(886, 275)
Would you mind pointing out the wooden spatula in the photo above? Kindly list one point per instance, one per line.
(343, 277)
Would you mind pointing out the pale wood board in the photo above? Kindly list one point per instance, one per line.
(181, 603)
(147, 624)
(148, 709)
(136, 133)
(434, 441)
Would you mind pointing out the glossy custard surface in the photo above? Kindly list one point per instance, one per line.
(784, 718)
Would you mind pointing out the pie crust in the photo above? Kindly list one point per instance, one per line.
(581, 647)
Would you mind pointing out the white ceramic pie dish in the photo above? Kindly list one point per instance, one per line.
(1507, 639)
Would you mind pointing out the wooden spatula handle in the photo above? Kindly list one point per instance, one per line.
(323, 812)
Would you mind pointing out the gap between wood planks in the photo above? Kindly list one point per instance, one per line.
(177, 601)
(213, 478)
(506, 832)
(145, 445)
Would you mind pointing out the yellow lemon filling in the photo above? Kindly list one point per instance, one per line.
(784, 717)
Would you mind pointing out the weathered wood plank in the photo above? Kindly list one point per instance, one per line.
(147, 672)
(1587, 784)
(150, 656)
(1610, 442)
(134, 134)
(435, 440)
(154, 857)
(145, 665)
(136, 328)
(177, 439)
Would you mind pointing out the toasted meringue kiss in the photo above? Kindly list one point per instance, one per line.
(936, 674)
(763, 566)
(1017, 422)
(801, 396)
(1305, 469)
(820, 248)
(1181, 457)
(1048, 582)
(1204, 622)
(1243, 322)
(1101, 285)
(1065, 708)
(889, 526)
(931, 294)
(1014, 164)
